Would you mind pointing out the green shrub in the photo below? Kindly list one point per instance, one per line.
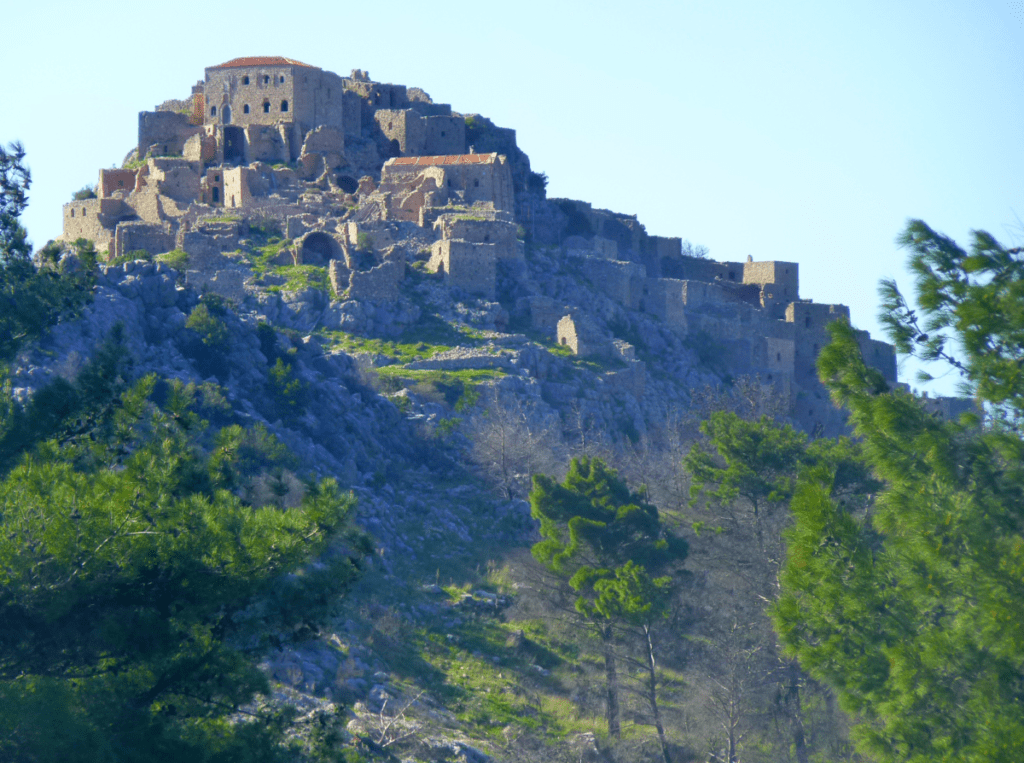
(211, 330)
(83, 193)
(289, 392)
(137, 254)
(176, 258)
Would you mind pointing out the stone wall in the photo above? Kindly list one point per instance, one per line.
(253, 95)
(467, 266)
(577, 332)
(236, 187)
(665, 298)
(151, 237)
(176, 179)
(165, 132)
(780, 355)
(404, 130)
(948, 408)
(810, 320)
(544, 312)
(501, 233)
(93, 219)
(879, 355)
(378, 284)
(779, 281)
(115, 180)
(444, 135)
(622, 281)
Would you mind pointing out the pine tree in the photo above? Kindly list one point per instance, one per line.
(912, 611)
(607, 542)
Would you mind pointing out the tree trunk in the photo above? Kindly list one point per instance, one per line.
(612, 679)
(799, 737)
(652, 694)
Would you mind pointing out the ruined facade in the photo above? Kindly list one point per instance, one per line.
(411, 186)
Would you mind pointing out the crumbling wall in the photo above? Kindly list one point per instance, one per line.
(622, 281)
(411, 184)
(779, 282)
(93, 219)
(500, 232)
(378, 284)
(444, 135)
(665, 298)
(115, 180)
(164, 132)
(154, 238)
(467, 266)
(405, 128)
(577, 332)
(176, 179)
(544, 313)
(201, 148)
(236, 187)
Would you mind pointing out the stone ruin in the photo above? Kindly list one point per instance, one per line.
(364, 177)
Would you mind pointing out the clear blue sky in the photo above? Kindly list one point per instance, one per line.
(804, 131)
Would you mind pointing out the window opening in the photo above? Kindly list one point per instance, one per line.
(215, 194)
(266, 79)
(266, 107)
(213, 111)
(807, 321)
(284, 105)
(245, 80)
(282, 78)
(245, 109)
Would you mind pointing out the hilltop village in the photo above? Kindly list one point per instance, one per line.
(370, 180)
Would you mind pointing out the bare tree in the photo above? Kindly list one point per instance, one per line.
(509, 445)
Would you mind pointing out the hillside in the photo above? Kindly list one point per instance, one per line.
(382, 283)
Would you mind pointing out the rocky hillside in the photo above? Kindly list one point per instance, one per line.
(434, 402)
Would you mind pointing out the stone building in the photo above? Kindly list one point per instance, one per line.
(408, 185)
(579, 333)
(261, 107)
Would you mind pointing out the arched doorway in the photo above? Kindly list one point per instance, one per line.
(318, 249)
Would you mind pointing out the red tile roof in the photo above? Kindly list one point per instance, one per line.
(433, 161)
(235, 63)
